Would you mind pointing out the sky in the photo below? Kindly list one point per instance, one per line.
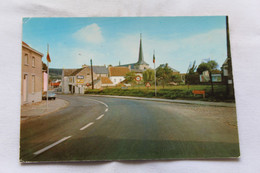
(177, 41)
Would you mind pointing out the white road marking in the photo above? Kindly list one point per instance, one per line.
(86, 126)
(106, 110)
(99, 102)
(99, 117)
(52, 145)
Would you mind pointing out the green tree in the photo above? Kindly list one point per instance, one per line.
(192, 68)
(130, 77)
(208, 66)
(148, 75)
(163, 74)
(176, 78)
(191, 76)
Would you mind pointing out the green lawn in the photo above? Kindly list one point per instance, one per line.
(169, 92)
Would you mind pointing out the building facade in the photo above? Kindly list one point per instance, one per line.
(77, 80)
(117, 74)
(32, 77)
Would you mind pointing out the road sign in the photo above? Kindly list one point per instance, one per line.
(147, 84)
(138, 78)
(80, 81)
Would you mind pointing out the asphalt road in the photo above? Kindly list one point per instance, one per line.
(99, 128)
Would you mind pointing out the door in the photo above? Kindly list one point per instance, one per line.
(25, 88)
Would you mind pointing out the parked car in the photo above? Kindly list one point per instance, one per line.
(51, 96)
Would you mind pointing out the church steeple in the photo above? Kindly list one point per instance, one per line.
(141, 55)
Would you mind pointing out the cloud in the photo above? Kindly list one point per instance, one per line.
(90, 34)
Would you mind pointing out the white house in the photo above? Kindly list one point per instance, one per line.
(117, 74)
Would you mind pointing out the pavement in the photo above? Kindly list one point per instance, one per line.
(206, 103)
(40, 108)
(104, 128)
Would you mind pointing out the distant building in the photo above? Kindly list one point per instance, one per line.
(77, 80)
(32, 76)
(117, 74)
(140, 66)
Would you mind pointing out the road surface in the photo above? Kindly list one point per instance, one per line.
(99, 128)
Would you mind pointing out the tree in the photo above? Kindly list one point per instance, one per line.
(191, 76)
(208, 66)
(192, 68)
(176, 78)
(130, 77)
(163, 74)
(148, 75)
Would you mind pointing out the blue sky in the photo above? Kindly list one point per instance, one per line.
(177, 41)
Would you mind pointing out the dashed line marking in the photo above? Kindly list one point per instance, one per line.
(86, 126)
(106, 110)
(99, 117)
(52, 145)
(99, 102)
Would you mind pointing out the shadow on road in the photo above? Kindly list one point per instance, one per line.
(101, 148)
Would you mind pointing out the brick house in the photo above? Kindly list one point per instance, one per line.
(77, 80)
(31, 77)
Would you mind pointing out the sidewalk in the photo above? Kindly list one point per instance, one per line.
(40, 108)
(205, 103)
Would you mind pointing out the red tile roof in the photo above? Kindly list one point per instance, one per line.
(106, 80)
(118, 71)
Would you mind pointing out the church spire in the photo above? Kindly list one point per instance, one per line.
(141, 55)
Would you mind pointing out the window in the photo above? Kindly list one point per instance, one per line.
(33, 61)
(114, 80)
(26, 59)
(33, 83)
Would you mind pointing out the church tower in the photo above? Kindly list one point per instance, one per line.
(141, 64)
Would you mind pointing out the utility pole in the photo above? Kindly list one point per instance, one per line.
(92, 74)
(47, 77)
(155, 92)
(230, 84)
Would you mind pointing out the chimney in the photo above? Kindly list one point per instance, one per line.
(84, 65)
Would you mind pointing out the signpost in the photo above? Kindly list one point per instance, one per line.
(147, 85)
(80, 79)
(138, 78)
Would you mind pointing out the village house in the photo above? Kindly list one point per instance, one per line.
(77, 80)
(32, 76)
(117, 74)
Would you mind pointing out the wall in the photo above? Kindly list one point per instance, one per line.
(30, 70)
(116, 79)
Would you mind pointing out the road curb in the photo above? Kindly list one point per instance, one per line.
(205, 103)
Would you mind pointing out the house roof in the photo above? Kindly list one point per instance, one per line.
(68, 72)
(76, 72)
(30, 48)
(118, 71)
(106, 80)
(25, 44)
(100, 70)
